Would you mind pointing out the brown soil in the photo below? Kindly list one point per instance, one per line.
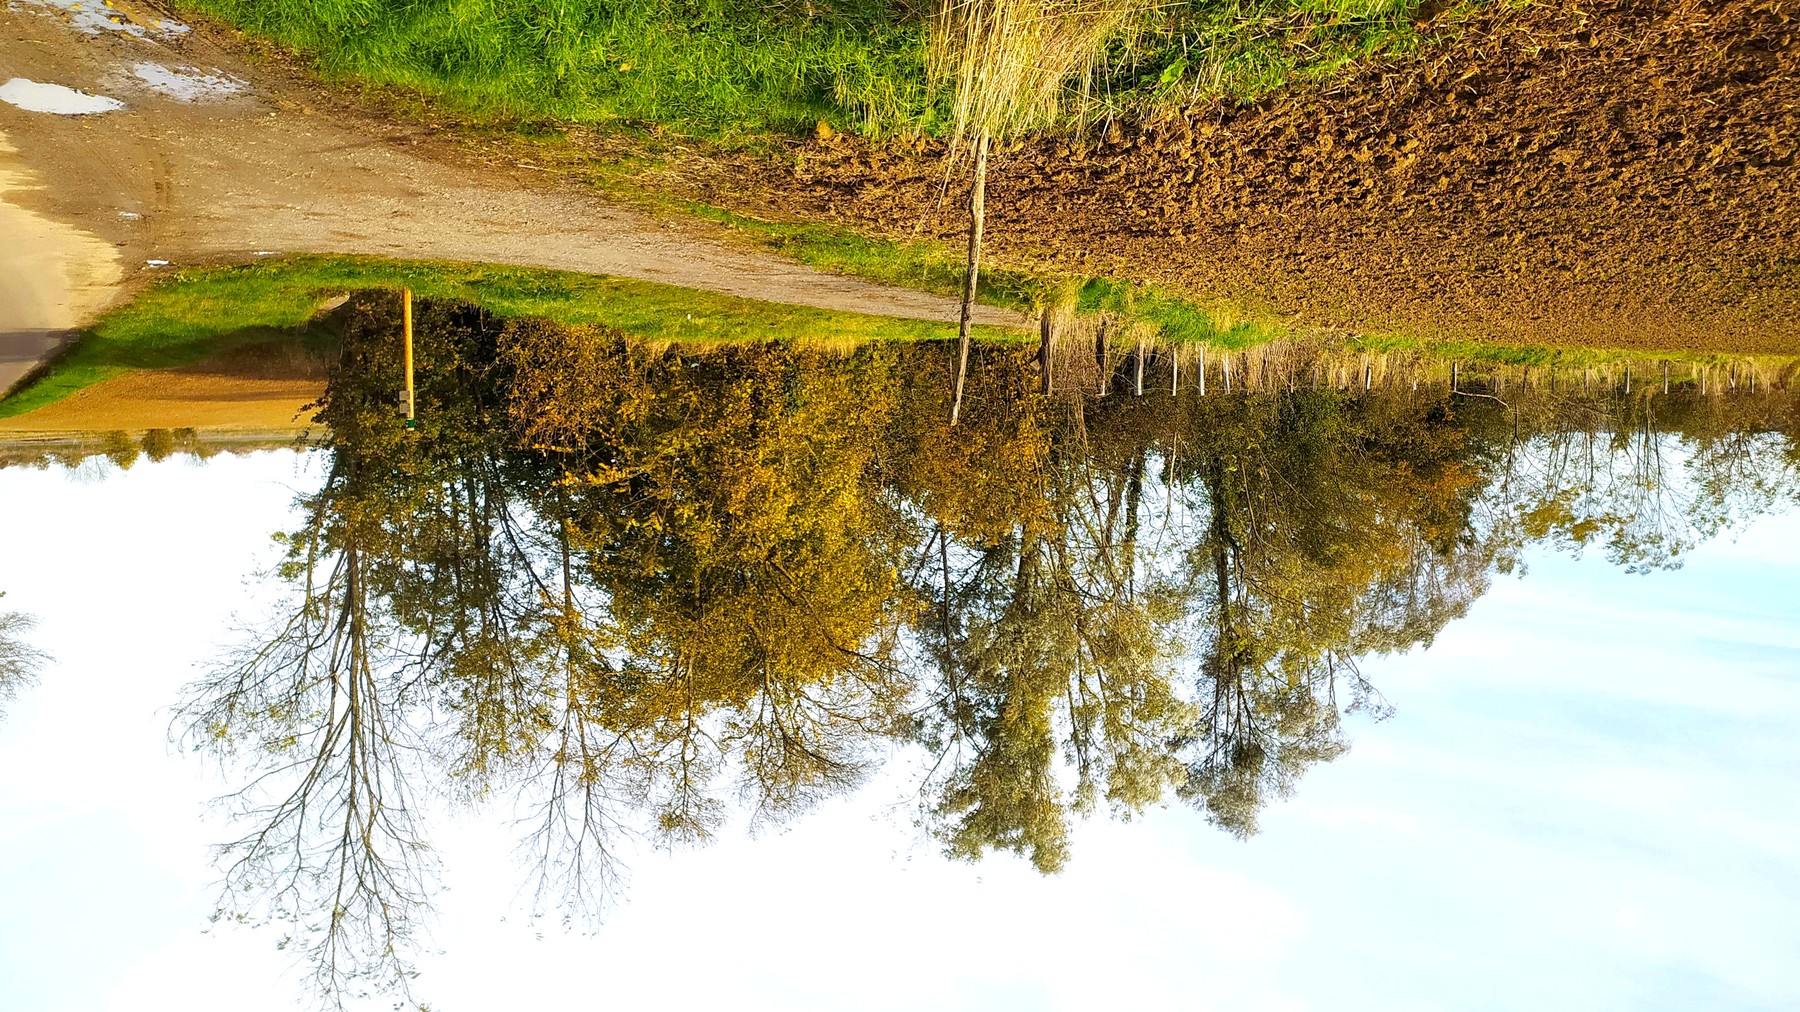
(1619, 173)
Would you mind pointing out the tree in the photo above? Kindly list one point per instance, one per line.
(1006, 64)
(19, 661)
(1329, 531)
(620, 586)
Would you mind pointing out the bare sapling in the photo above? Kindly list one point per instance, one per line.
(1009, 66)
(977, 216)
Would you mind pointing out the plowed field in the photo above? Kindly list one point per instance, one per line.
(1619, 173)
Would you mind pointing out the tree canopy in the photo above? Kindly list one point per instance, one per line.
(631, 586)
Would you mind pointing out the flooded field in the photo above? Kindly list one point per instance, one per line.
(1331, 685)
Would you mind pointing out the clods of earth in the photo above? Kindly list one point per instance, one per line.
(1620, 174)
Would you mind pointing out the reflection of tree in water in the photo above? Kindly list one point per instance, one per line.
(1607, 474)
(623, 585)
(19, 661)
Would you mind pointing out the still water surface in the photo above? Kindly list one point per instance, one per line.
(736, 677)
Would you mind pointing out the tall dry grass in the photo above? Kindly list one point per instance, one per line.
(1006, 65)
(1009, 66)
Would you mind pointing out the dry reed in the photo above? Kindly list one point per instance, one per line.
(1008, 64)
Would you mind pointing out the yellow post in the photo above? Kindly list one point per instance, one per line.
(406, 327)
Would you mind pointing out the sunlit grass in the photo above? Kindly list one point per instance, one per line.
(1245, 49)
(925, 264)
(728, 68)
(197, 314)
(704, 66)
(937, 266)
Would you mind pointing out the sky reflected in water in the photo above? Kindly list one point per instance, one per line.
(1574, 800)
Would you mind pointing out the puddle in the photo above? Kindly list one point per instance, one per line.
(36, 96)
(53, 277)
(97, 16)
(187, 84)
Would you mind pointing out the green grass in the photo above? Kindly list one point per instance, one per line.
(197, 314)
(194, 315)
(1244, 49)
(925, 264)
(938, 266)
(1549, 357)
(735, 68)
(703, 66)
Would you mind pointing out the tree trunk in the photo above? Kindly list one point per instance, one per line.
(1134, 497)
(977, 217)
(1102, 355)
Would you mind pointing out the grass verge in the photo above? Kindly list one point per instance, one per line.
(736, 68)
(938, 267)
(196, 314)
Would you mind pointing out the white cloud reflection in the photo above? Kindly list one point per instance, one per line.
(1583, 802)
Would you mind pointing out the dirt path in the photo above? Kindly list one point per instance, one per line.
(210, 174)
